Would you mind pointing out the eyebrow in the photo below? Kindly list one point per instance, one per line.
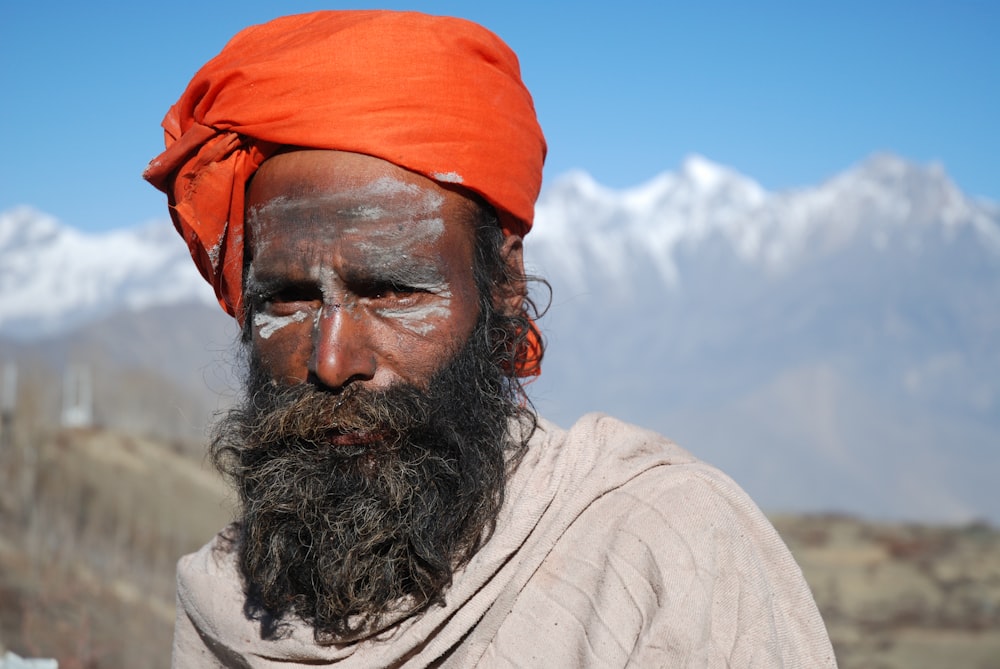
(255, 288)
(404, 272)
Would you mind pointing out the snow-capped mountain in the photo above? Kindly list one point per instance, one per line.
(835, 347)
(54, 278)
(832, 348)
(882, 197)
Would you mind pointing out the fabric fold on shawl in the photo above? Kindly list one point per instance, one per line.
(439, 96)
(614, 547)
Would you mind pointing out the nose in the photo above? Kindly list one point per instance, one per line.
(342, 353)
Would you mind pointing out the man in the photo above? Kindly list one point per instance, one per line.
(357, 186)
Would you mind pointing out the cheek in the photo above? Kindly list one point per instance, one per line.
(415, 343)
(284, 350)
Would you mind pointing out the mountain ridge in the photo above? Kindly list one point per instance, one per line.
(772, 230)
(831, 347)
(89, 275)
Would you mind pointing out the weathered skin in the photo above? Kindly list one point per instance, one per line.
(360, 271)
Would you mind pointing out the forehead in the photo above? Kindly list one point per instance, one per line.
(307, 184)
(311, 209)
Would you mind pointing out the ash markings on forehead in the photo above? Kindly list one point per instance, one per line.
(390, 243)
(421, 208)
(375, 200)
(267, 324)
(417, 210)
(363, 212)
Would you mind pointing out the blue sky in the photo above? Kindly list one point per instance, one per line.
(787, 93)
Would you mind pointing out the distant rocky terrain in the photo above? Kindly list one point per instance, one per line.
(902, 596)
(91, 525)
(92, 522)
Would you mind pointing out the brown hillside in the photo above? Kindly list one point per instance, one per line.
(903, 596)
(92, 522)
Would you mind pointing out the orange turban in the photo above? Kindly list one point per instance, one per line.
(439, 96)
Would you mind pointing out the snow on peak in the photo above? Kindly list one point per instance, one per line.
(703, 173)
(705, 200)
(712, 178)
(578, 183)
(895, 192)
(53, 277)
(26, 226)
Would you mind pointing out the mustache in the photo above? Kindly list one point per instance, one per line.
(305, 417)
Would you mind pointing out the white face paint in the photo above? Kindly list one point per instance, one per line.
(360, 271)
(385, 247)
(380, 226)
(381, 198)
(417, 319)
(268, 324)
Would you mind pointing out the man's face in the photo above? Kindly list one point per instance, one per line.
(360, 272)
(371, 448)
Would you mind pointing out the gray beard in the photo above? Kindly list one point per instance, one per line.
(347, 538)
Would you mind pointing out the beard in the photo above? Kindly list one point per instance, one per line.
(357, 506)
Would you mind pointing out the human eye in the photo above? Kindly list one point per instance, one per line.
(388, 290)
(284, 299)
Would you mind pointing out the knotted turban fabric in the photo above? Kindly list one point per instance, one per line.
(439, 96)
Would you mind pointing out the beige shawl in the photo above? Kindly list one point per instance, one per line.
(615, 548)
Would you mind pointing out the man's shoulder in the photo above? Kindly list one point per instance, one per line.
(660, 507)
(643, 474)
(617, 438)
(670, 558)
(609, 457)
(606, 447)
(625, 486)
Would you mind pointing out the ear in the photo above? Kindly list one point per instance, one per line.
(509, 294)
